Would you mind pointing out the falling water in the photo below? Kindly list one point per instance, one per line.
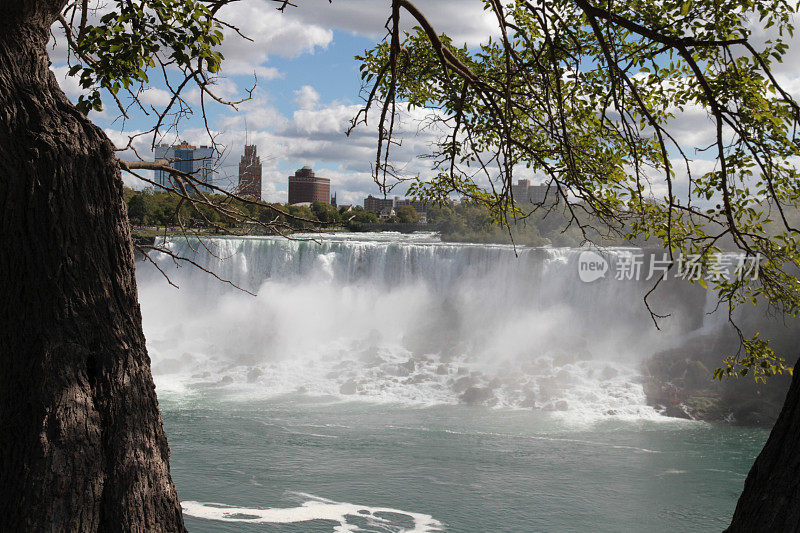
(406, 319)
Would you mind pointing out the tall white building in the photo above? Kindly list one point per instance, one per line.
(197, 161)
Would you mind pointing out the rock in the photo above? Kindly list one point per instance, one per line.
(417, 378)
(755, 413)
(705, 408)
(253, 375)
(561, 359)
(476, 395)
(609, 372)
(677, 411)
(227, 380)
(302, 390)
(697, 376)
(562, 405)
(373, 360)
(529, 401)
(442, 370)
(348, 387)
(463, 384)
(409, 365)
(539, 367)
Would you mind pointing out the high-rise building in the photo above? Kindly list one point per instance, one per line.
(188, 159)
(304, 186)
(525, 193)
(250, 173)
(419, 207)
(377, 205)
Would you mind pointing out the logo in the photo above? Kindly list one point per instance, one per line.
(591, 266)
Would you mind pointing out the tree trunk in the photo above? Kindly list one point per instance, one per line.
(771, 497)
(82, 445)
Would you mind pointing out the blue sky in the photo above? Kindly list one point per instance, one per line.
(308, 90)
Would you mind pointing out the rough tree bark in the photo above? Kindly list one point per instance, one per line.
(82, 446)
(771, 497)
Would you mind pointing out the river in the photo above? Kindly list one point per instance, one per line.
(386, 382)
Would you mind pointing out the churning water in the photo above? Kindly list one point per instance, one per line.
(397, 383)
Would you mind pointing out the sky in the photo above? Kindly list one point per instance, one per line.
(308, 90)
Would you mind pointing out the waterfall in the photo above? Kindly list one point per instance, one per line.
(406, 318)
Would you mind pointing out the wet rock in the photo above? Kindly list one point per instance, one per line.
(409, 365)
(302, 390)
(529, 401)
(540, 366)
(372, 360)
(476, 395)
(755, 413)
(248, 359)
(253, 375)
(227, 380)
(678, 411)
(561, 405)
(566, 358)
(549, 387)
(609, 372)
(462, 384)
(201, 375)
(348, 387)
(442, 370)
(417, 378)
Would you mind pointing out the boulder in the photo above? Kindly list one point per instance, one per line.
(678, 411)
(348, 387)
(476, 395)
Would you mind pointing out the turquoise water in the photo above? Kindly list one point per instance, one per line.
(469, 468)
(393, 383)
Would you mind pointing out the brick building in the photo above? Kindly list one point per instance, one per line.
(419, 207)
(377, 205)
(304, 186)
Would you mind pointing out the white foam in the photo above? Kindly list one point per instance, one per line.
(399, 319)
(315, 508)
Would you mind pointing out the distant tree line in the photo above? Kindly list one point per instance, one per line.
(164, 209)
(457, 222)
(473, 222)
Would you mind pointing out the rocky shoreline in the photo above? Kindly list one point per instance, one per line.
(679, 384)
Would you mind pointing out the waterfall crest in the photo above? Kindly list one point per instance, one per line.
(399, 318)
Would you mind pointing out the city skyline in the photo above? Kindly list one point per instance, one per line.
(307, 92)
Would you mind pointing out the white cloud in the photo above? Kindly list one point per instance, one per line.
(155, 97)
(464, 21)
(69, 84)
(306, 97)
(271, 33)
